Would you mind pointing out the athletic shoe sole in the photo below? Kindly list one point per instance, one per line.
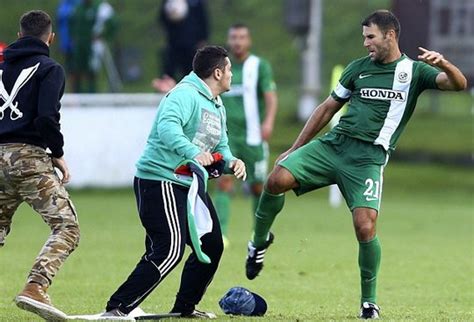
(47, 312)
(154, 317)
(144, 317)
(99, 317)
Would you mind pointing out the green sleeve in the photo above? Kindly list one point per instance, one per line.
(345, 86)
(427, 75)
(266, 83)
(175, 112)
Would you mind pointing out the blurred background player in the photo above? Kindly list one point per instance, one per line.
(251, 107)
(31, 86)
(382, 89)
(186, 26)
(83, 76)
(64, 13)
(104, 32)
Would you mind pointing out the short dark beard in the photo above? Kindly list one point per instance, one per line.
(383, 52)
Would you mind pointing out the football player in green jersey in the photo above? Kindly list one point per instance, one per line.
(381, 90)
(251, 106)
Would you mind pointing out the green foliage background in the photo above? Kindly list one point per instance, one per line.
(138, 28)
(341, 42)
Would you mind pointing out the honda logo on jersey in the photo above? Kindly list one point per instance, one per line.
(383, 94)
(9, 98)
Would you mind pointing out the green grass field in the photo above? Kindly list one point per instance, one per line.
(426, 230)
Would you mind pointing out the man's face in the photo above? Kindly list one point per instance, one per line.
(226, 78)
(377, 44)
(239, 42)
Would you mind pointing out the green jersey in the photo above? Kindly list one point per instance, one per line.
(189, 121)
(381, 98)
(244, 103)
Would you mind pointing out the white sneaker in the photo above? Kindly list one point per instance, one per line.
(114, 315)
(137, 312)
(201, 315)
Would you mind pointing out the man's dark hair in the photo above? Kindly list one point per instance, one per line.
(35, 23)
(239, 25)
(385, 20)
(207, 59)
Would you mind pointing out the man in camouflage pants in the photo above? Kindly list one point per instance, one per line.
(31, 85)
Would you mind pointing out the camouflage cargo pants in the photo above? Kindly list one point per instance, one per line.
(27, 174)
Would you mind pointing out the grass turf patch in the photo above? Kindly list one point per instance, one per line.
(311, 273)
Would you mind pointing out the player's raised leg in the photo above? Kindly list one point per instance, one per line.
(270, 204)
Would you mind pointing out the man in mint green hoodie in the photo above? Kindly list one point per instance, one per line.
(189, 125)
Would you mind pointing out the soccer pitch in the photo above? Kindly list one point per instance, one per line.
(426, 230)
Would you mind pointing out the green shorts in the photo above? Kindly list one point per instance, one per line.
(355, 166)
(255, 158)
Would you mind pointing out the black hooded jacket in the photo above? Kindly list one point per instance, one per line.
(31, 86)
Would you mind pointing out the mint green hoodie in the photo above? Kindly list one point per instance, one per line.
(189, 121)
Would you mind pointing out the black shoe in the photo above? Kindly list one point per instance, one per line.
(254, 263)
(369, 311)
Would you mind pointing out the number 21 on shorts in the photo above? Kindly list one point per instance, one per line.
(373, 189)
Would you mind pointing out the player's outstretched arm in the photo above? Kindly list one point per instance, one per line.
(318, 119)
(451, 78)
(321, 116)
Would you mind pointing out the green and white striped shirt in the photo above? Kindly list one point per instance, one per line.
(382, 98)
(244, 103)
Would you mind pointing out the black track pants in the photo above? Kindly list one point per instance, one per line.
(162, 207)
